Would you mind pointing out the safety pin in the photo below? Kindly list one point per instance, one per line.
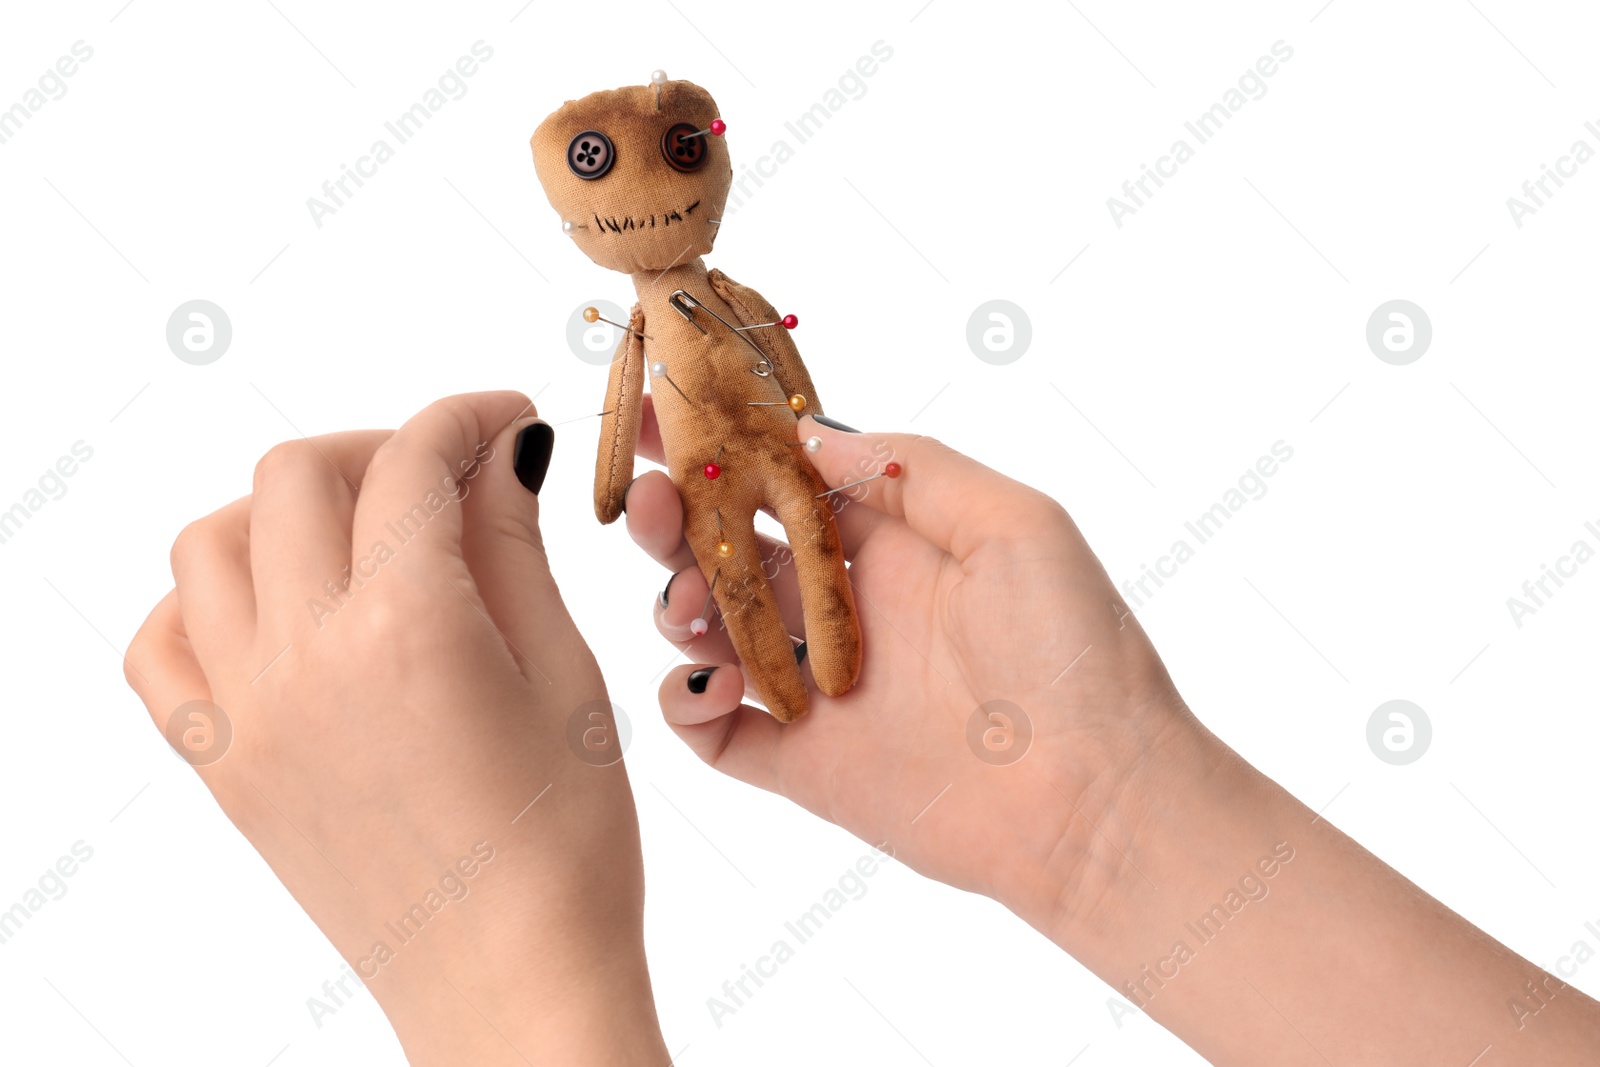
(682, 301)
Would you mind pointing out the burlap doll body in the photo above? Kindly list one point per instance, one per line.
(642, 192)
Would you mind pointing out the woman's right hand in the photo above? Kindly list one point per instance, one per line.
(1007, 697)
(1093, 805)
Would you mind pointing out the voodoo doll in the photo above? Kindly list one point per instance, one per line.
(640, 176)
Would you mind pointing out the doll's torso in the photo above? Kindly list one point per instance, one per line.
(722, 398)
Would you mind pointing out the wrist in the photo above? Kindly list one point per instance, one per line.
(1145, 810)
(520, 1010)
(545, 966)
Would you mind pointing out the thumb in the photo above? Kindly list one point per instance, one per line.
(954, 501)
(500, 537)
(703, 705)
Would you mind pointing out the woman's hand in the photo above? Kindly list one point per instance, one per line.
(414, 735)
(1006, 699)
(1092, 803)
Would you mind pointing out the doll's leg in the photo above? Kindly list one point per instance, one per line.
(749, 607)
(833, 633)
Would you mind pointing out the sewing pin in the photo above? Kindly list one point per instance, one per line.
(788, 322)
(716, 129)
(571, 228)
(796, 403)
(724, 548)
(699, 626)
(659, 369)
(890, 470)
(713, 470)
(593, 315)
(658, 78)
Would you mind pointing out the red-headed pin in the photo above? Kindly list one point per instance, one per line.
(788, 322)
(890, 470)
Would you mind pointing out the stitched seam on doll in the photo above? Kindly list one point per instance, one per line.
(628, 342)
(722, 285)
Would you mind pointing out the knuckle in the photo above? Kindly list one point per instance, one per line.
(190, 540)
(384, 455)
(385, 624)
(131, 674)
(469, 409)
(281, 459)
(1041, 513)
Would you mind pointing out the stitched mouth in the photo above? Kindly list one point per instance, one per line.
(624, 223)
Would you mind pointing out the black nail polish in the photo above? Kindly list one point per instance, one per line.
(800, 653)
(625, 493)
(699, 679)
(666, 589)
(531, 457)
(835, 424)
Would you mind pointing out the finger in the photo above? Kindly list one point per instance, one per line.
(211, 566)
(407, 514)
(655, 520)
(738, 740)
(952, 500)
(855, 524)
(504, 550)
(304, 503)
(161, 666)
(687, 599)
(649, 445)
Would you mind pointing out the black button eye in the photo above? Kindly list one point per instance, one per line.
(590, 155)
(682, 149)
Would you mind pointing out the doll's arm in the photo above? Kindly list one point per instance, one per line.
(619, 425)
(750, 307)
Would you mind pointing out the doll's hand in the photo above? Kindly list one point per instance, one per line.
(402, 751)
(972, 590)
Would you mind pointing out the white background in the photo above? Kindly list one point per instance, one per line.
(1227, 314)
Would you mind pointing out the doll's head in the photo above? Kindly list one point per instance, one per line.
(639, 192)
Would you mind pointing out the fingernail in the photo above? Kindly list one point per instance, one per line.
(665, 589)
(699, 679)
(834, 424)
(531, 457)
(625, 493)
(800, 653)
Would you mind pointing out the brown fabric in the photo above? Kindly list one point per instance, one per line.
(619, 425)
(705, 412)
